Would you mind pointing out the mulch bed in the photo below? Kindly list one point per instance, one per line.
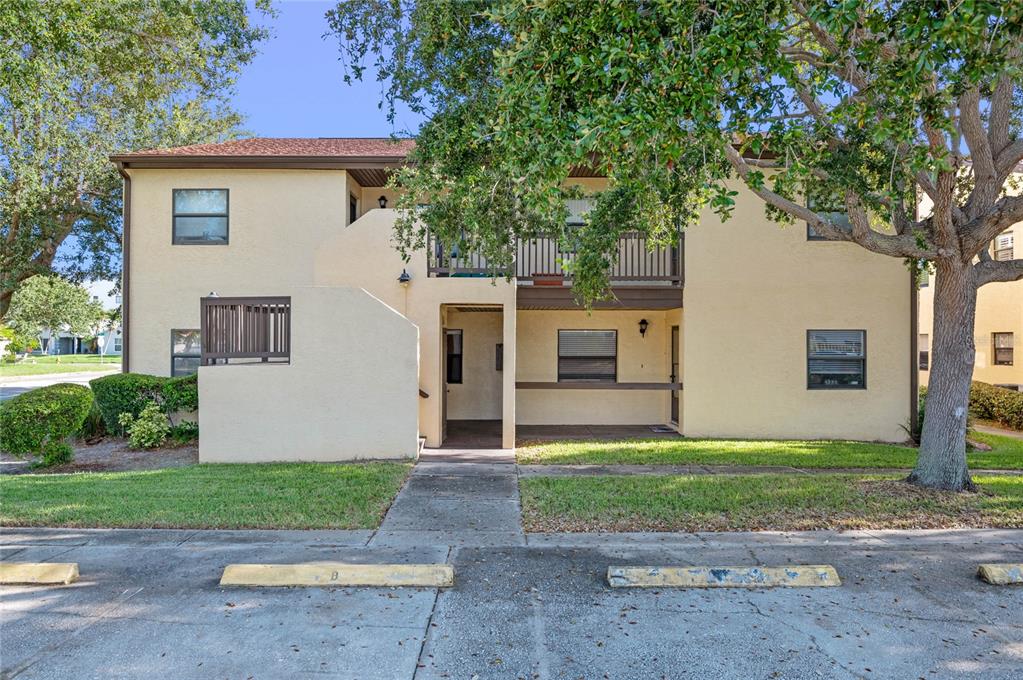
(110, 454)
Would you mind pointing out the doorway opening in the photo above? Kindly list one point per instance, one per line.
(472, 371)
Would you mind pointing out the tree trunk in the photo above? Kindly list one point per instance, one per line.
(941, 462)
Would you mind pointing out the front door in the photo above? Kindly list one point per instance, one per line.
(674, 373)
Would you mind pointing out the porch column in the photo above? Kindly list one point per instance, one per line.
(508, 379)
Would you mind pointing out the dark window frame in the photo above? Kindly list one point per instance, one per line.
(353, 208)
(924, 355)
(614, 380)
(810, 357)
(173, 356)
(174, 218)
(995, 348)
(460, 354)
(811, 235)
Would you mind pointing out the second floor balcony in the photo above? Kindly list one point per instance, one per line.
(542, 262)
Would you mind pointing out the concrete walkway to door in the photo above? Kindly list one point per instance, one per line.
(456, 497)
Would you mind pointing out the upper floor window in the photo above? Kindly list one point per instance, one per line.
(587, 356)
(924, 348)
(1003, 247)
(200, 216)
(836, 360)
(353, 208)
(1002, 348)
(831, 208)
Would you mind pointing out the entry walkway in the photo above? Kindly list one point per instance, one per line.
(456, 497)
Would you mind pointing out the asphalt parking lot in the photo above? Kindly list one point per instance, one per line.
(149, 605)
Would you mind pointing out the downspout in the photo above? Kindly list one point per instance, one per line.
(125, 267)
(914, 368)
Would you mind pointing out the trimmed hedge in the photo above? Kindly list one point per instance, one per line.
(1001, 405)
(39, 422)
(181, 394)
(125, 393)
(130, 392)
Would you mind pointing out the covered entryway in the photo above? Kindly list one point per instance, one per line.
(473, 376)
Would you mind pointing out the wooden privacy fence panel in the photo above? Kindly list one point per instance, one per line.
(249, 328)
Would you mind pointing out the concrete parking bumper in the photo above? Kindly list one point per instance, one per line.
(790, 576)
(339, 574)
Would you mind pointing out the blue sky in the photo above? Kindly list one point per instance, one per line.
(295, 86)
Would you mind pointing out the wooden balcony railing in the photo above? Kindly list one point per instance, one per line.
(245, 329)
(542, 262)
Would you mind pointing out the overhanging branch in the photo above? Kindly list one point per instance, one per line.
(991, 271)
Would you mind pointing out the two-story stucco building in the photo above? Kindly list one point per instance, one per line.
(321, 343)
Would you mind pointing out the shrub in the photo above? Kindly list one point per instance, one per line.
(999, 404)
(184, 432)
(93, 427)
(125, 393)
(39, 422)
(181, 394)
(147, 430)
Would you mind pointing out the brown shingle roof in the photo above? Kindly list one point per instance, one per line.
(286, 147)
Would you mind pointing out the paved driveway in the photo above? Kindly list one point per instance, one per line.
(11, 387)
(149, 605)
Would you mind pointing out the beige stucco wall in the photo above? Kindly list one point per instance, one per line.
(999, 310)
(363, 255)
(479, 395)
(353, 397)
(640, 359)
(277, 220)
(753, 289)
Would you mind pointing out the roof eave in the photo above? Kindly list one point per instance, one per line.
(171, 161)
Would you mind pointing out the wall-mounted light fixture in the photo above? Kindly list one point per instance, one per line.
(382, 201)
(404, 279)
(213, 293)
(643, 325)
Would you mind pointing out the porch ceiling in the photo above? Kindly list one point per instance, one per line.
(627, 297)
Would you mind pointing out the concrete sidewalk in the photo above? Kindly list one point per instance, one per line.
(149, 605)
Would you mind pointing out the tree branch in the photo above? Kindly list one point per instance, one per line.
(977, 233)
(992, 271)
(884, 244)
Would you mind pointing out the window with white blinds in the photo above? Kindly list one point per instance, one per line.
(1003, 343)
(587, 356)
(578, 209)
(1003, 247)
(836, 359)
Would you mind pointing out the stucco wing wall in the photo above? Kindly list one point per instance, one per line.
(350, 391)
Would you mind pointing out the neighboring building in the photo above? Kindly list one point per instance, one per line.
(358, 353)
(998, 330)
(107, 341)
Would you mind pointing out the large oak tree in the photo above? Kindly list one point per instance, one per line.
(872, 107)
(81, 79)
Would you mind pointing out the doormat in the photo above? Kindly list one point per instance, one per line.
(662, 429)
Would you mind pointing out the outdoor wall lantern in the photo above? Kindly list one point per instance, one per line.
(405, 277)
(382, 201)
(643, 325)
(213, 293)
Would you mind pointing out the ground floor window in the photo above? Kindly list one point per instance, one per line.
(185, 351)
(453, 340)
(587, 356)
(924, 347)
(1003, 348)
(836, 359)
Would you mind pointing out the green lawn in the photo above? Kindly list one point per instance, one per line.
(1007, 453)
(759, 502)
(271, 496)
(63, 363)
